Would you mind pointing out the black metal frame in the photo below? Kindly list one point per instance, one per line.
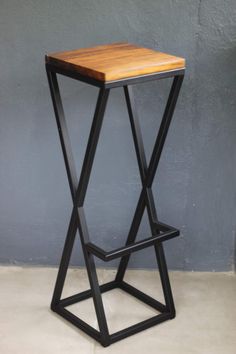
(160, 232)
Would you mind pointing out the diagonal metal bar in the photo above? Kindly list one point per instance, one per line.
(149, 200)
(147, 174)
(163, 130)
(79, 200)
(63, 132)
(91, 146)
(140, 153)
(73, 182)
(65, 259)
(154, 161)
(165, 281)
(92, 275)
(78, 191)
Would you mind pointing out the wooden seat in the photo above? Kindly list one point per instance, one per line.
(115, 61)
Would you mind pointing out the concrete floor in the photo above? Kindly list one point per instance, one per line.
(205, 322)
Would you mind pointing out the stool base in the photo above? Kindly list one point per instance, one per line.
(164, 315)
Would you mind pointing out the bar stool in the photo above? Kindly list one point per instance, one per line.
(107, 67)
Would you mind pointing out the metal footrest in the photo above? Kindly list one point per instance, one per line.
(165, 232)
(164, 315)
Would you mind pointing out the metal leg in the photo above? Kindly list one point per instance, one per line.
(78, 222)
(65, 259)
(78, 191)
(147, 174)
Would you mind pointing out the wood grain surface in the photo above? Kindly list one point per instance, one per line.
(115, 61)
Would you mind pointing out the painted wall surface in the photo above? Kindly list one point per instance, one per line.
(195, 186)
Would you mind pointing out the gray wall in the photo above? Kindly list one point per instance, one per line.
(195, 185)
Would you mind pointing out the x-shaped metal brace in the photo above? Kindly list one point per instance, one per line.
(160, 232)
